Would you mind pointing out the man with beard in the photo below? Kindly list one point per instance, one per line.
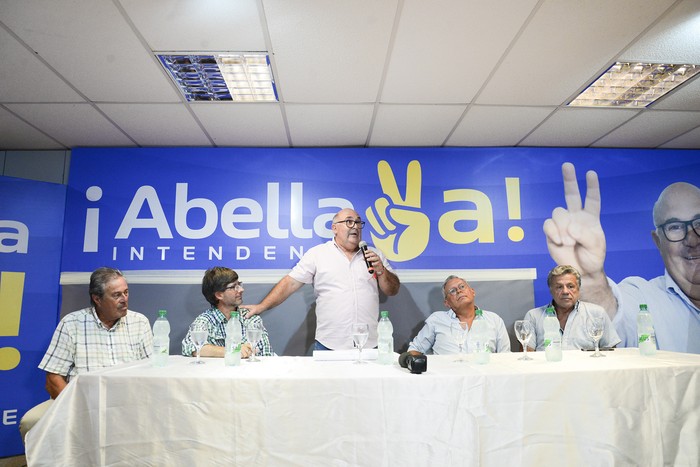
(224, 292)
(345, 292)
(575, 236)
(102, 335)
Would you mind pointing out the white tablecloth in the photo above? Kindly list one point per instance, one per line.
(623, 409)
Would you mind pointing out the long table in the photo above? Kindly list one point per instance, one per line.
(623, 409)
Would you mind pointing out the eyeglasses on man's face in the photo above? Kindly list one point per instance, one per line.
(237, 286)
(460, 288)
(352, 223)
(676, 231)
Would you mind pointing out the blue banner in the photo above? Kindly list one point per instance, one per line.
(427, 208)
(31, 229)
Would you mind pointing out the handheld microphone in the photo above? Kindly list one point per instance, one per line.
(416, 364)
(363, 249)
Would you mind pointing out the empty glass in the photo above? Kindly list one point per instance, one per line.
(253, 333)
(198, 334)
(594, 328)
(523, 331)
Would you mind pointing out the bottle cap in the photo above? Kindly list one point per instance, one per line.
(642, 307)
(384, 314)
(478, 312)
(162, 313)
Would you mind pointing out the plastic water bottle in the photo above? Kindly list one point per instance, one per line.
(385, 339)
(552, 336)
(479, 334)
(161, 339)
(234, 336)
(645, 331)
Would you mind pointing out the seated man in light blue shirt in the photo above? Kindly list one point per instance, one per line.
(564, 284)
(436, 336)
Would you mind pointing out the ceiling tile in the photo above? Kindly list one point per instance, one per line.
(577, 127)
(330, 52)
(72, 124)
(674, 39)
(25, 78)
(497, 125)
(16, 134)
(564, 47)
(651, 129)
(414, 125)
(686, 97)
(204, 25)
(243, 124)
(157, 124)
(329, 125)
(434, 59)
(689, 140)
(349, 72)
(92, 46)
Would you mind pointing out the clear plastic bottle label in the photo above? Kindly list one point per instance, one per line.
(233, 356)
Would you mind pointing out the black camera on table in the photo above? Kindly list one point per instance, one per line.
(416, 364)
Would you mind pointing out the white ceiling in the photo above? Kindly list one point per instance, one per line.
(348, 72)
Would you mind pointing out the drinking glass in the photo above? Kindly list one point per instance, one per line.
(459, 334)
(594, 328)
(198, 334)
(523, 331)
(360, 333)
(254, 331)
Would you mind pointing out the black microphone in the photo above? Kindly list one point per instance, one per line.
(416, 364)
(363, 249)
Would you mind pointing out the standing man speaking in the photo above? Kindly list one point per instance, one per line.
(345, 290)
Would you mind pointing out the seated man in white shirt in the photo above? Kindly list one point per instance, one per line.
(102, 335)
(436, 336)
(565, 284)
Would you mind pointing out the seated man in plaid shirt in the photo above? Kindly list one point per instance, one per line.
(102, 335)
(223, 290)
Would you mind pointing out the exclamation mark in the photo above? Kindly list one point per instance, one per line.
(11, 291)
(515, 233)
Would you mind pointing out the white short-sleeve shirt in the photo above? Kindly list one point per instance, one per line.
(345, 293)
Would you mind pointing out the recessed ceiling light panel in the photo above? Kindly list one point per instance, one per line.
(634, 84)
(238, 77)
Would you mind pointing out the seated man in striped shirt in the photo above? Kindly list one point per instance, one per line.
(223, 290)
